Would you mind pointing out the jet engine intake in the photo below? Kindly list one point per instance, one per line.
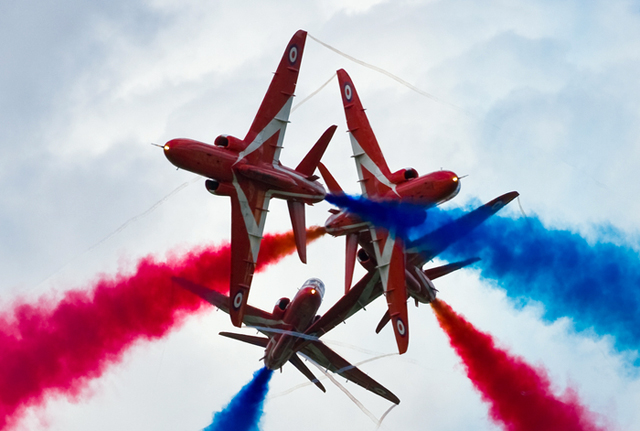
(280, 307)
(217, 188)
(367, 262)
(403, 175)
(229, 142)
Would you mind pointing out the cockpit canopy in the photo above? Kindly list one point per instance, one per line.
(315, 283)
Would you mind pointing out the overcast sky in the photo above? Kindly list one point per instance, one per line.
(539, 97)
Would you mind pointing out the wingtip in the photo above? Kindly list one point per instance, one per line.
(302, 254)
(237, 304)
(236, 318)
(401, 331)
(402, 349)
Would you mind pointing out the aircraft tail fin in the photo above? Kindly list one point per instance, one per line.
(331, 182)
(297, 362)
(351, 245)
(310, 162)
(297, 214)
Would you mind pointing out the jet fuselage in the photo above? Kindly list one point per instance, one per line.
(298, 316)
(224, 166)
(427, 190)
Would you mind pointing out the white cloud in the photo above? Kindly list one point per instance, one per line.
(545, 99)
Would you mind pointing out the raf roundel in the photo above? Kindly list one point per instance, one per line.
(237, 300)
(348, 93)
(400, 327)
(293, 54)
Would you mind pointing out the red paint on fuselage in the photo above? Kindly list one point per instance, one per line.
(344, 223)
(298, 317)
(202, 159)
(427, 190)
(221, 164)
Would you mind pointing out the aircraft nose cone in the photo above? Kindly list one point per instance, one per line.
(171, 148)
(449, 184)
(455, 184)
(332, 225)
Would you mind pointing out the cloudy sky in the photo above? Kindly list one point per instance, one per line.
(540, 97)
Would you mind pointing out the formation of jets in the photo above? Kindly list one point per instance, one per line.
(249, 172)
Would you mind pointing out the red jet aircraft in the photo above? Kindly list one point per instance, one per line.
(250, 173)
(294, 328)
(419, 282)
(386, 252)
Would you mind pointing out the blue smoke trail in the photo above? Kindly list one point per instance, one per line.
(244, 411)
(597, 285)
(382, 213)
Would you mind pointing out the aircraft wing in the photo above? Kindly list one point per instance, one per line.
(253, 316)
(322, 355)
(373, 171)
(375, 181)
(249, 207)
(264, 139)
(427, 247)
(390, 256)
(358, 297)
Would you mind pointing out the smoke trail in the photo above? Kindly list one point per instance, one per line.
(519, 395)
(244, 411)
(596, 284)
(382, 213)
(55, 347)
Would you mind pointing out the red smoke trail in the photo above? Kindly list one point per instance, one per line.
(57, 347)
(520, 395)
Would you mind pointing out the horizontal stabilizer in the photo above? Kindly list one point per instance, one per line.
(433, 273)
(297, 362)
(310, 162)
(256, 341)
